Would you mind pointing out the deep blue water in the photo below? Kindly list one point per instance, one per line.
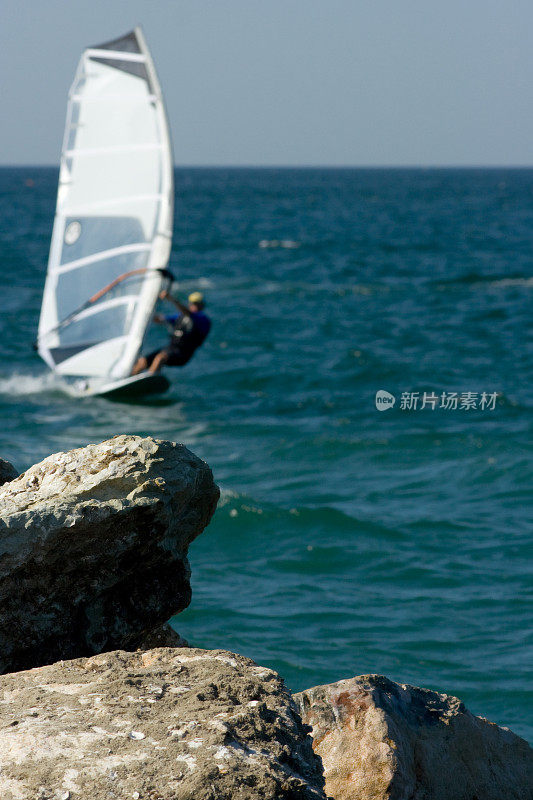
(347, 540)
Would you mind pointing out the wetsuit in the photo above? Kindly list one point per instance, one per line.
(190, 331)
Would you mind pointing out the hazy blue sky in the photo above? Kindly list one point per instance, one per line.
(332, 82)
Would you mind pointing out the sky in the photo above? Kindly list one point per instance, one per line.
(290, 82)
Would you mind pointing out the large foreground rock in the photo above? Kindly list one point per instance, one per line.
(160, 725)
(378, 739)
(93, 548)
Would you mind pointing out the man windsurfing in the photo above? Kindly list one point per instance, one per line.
(190, 328)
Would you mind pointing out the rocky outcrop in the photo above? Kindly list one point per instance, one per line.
(93, 548)
(160, 725)
(93, 558)
(379, 739)
(7, 472)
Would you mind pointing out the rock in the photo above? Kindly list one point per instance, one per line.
(7, 472)
(164, 636)
(93, 548)
(160, 725)
(379, 739)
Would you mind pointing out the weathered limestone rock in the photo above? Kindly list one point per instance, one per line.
(93, 547)
(164, 724)
(7, 471)
(379, 739)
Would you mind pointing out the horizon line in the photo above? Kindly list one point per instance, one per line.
(56, 165)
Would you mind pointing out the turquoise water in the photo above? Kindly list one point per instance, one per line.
(347, 540)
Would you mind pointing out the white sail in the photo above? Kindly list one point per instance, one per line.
(113, 217)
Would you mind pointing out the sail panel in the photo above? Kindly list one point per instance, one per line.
(129, 43)
(87, 336)
(108, 322)
(115, 194)
(86, 361)
(126, 65)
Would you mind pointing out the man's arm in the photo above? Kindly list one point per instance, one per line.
(164, 295)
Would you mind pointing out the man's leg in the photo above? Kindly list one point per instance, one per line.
(140, 365)
(160, 359)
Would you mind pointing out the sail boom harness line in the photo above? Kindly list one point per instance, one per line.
(121, 278)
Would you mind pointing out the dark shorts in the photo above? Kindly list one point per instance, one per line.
(175, 358)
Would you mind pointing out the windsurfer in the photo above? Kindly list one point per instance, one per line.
(189, 331)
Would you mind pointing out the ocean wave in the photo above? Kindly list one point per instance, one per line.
(299, 288)
(320, 519)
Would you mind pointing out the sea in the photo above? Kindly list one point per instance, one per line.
(364, 401)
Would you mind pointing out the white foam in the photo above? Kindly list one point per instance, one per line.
(513, 282)
(289, 244)
(182, 287)
(18, 384)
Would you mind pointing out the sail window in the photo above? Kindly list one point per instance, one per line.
(76, 286)
(110, 321)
